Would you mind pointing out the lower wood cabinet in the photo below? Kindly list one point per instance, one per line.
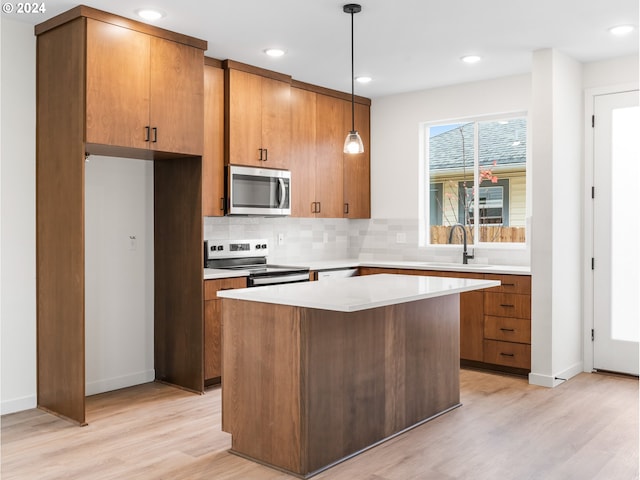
(495, 324)
(213, 325)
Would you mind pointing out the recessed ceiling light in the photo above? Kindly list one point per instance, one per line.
(471, 58)
(619, 30)
(363, 79)
(274, 52)
(150, 14)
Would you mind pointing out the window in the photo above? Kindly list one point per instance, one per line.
(488, 153)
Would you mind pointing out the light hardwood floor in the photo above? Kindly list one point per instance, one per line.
(586, 428)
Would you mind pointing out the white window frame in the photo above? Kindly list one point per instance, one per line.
(425, 220)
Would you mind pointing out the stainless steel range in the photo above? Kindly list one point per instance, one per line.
(251, 255)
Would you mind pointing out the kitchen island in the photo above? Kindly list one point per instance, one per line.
(314, 373)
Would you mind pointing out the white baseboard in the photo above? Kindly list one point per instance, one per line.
(557, 379)
(115, 383)
(18, 404)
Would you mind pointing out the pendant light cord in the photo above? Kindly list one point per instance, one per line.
(353, 107)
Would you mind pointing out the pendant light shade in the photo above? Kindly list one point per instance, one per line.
(353, 142)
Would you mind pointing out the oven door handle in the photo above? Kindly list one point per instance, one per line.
(277, 279)
(281, 193)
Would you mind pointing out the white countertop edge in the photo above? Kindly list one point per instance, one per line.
(355, 293)
(323, 265)
(218, 273)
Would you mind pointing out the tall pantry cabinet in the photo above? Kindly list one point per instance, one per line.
(108, 85)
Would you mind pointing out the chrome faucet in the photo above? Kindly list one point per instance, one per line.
(465, 255)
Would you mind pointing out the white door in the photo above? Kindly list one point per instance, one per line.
(616, 241)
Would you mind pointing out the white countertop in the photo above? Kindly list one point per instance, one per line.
(358, 293)
(217, 273)
(415, 265)
(320, 265)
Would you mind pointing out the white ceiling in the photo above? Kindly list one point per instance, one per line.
(404, 45)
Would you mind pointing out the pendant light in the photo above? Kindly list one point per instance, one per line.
(353, 142)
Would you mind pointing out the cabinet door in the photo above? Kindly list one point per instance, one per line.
(330, 135)
(472, 325)
(303, 152)
(276, 123)
(117, 102)
(213, 153)
(212, 331)
(357, 183)
(177, 97)
(244, 117)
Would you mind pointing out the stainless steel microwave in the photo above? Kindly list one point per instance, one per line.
(258, 191)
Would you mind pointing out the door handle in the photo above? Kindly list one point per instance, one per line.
(282, 190)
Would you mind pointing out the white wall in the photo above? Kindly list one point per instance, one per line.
(18, 262)
(396, 169)
(118, 273)
(395, 142)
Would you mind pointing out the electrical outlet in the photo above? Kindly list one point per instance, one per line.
(401, 237)
(133, 243)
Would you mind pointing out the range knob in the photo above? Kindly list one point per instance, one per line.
(220, 248)
(264, 245)
(258, 246)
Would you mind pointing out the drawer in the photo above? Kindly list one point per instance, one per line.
(507, 329)
(509, 354)
(507, 305)
(510, 283)
(212, 286)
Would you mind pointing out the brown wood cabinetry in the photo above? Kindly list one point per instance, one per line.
(98, 87)
(495, 325)
(329, 163)
(142, 91)
(326, 182)
(356, 168)
(507, 322)
(213, 153)
(213, 325)
(258, 116)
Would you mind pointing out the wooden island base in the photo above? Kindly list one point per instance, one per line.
(304, 389)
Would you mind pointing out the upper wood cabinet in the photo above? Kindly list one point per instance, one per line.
(213, 154)
(356, 168)
(143, 91)
(327, 183)
(330, 135)
(303, 152)
(258, 117)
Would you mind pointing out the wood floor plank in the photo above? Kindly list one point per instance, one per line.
(584, 429)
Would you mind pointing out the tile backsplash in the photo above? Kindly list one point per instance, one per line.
(311, 239)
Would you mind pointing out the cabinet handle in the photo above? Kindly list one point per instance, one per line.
(147, 133)
(508, 284)
(506, 305)
(319, 207)
(507, 354)
(266, 154)
(507, 329)
(222, 204)
(260, 150)
(346, 208)
(155, 134)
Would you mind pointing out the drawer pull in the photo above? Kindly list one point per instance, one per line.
(507, 329)
(507, 354)
(508, 284)
(507, 305)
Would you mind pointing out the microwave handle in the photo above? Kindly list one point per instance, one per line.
(281, 193)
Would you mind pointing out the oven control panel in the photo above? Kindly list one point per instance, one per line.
(236, 248)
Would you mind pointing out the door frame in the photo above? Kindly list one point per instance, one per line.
(588, 231)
